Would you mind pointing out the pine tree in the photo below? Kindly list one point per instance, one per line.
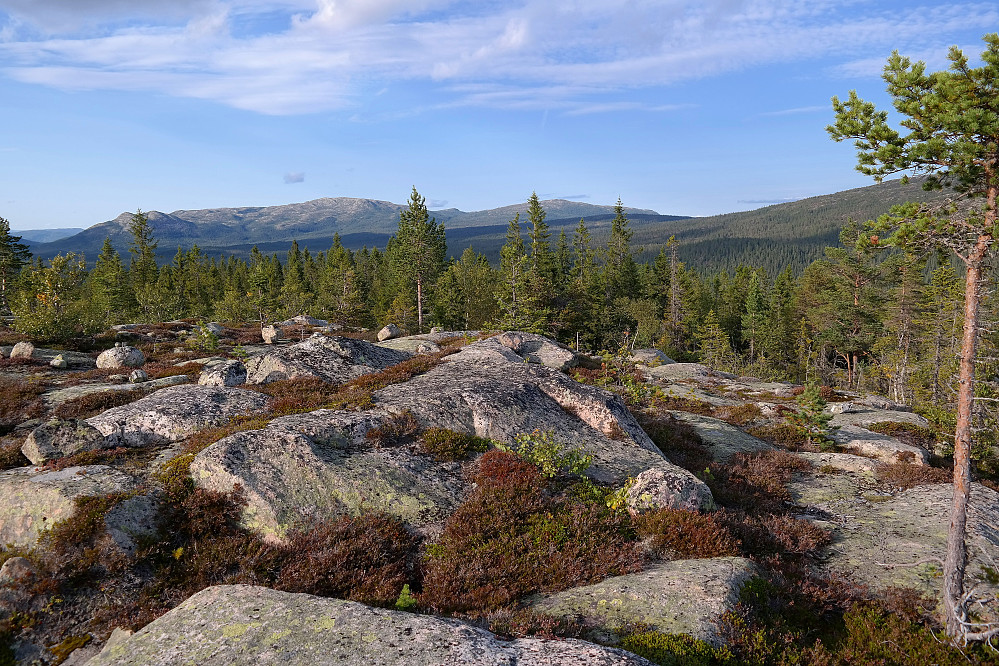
(951, 123)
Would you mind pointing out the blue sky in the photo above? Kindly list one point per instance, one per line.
(678, 106)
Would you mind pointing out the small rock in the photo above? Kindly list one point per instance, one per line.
(270, 334)
(436, 330)
(224, 373)
(117, 379)
(17, 572)
(138, 376)
(59, 362)
(58, 439)
(390, 332)
(667, 487)
(427, 348)
(214, 328)
(841, 408)
(121, 356)
(22, 350)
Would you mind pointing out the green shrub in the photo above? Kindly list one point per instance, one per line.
(443, 444)
(541, 449)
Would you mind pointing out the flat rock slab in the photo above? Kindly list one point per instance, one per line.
(410, 344)
(723, 439)
(488, 390)
(865, 416)
(674, 372)
(171, 414)
(59, 396)
(74, 360)
(871, 529)
(679, 597)
(332, 359)
(880, 447)
(239, 625)
(319, 464)
(32, 500)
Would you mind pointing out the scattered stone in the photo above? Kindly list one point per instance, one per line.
(17, 572)
(535, 348)
(223, 373)
(61, 438)
(171, 414)
(22, 350)
(723, 439)
(121, 356)
(214, 328)
(59, 362)
(661, 487)
(138, 376)
(841, 407)
(31, 501)
(270, 334)
(881, 447)
(436, 330)
(389, 332)
(240, 625)
(427, 348)
(332, 359)
(678, 597)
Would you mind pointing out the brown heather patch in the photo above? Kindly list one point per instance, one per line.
(160, 369)
(11, 456)
(906, 476)
(22, 363)
(357, 393)
(907, 433)
(21, 401)
(677, 534)
(290, 396)
(205, 437)
(447, 445)
(396, 430)
(94, 374)
(10, 337)
(782, 435)
(691, 405)
(118, 456)
(739, 415)
(677, 440)
(756, 482)
(516, 535)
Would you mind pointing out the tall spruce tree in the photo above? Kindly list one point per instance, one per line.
(419, 251)
(950, 122)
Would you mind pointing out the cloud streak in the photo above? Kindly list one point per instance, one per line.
(577, 58)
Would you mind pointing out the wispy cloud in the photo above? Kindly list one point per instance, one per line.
(795, 111)
(294, 177)
(304, 56)
(437, 203)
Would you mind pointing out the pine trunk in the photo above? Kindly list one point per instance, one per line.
(957, 551)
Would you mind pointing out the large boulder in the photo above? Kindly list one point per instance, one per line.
(22, 350)
(679, 597)
(59, 438)
(31, 501)
(881, 447)
(331, 359)
(663, 487)
(171, 414)
(121, 356)
(320, 464)
(270, 334)
(223, 373)
(389, 332)
(650, 357)
(239, 625)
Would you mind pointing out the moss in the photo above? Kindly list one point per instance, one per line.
(673, 649)
(62, 651)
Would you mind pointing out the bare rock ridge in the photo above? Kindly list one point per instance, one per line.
(323, 463)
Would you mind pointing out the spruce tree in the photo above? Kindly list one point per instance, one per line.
(418, 251)
(13, 256)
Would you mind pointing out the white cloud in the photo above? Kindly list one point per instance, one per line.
(577, 56)
(294, 177)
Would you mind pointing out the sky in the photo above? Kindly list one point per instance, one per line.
(683, 107)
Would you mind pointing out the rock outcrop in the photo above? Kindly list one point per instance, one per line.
(223, 373)
(22, 350)
(661, 487)
(240, 625)
(389, 332)
(535, 348)
(723, 439)
(171, 414)
(331, 359)
(320, 464)
(881, 447)
(678, 597)
(32, 501)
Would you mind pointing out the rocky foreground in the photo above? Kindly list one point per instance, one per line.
(873, 509)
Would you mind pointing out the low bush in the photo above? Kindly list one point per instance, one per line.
(782, 435)
(447, 445)
(552, 458)
(678, 534)
(677, 440)
(755, 482)
(906, 476)
(673, 649)
(302, 394)
(396, 430)
(739, 415)
(11, 456)
(515, 536)
(908, 433)
(21, 401)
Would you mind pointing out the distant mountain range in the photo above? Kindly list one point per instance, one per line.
(792, 233)
(44, 235)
